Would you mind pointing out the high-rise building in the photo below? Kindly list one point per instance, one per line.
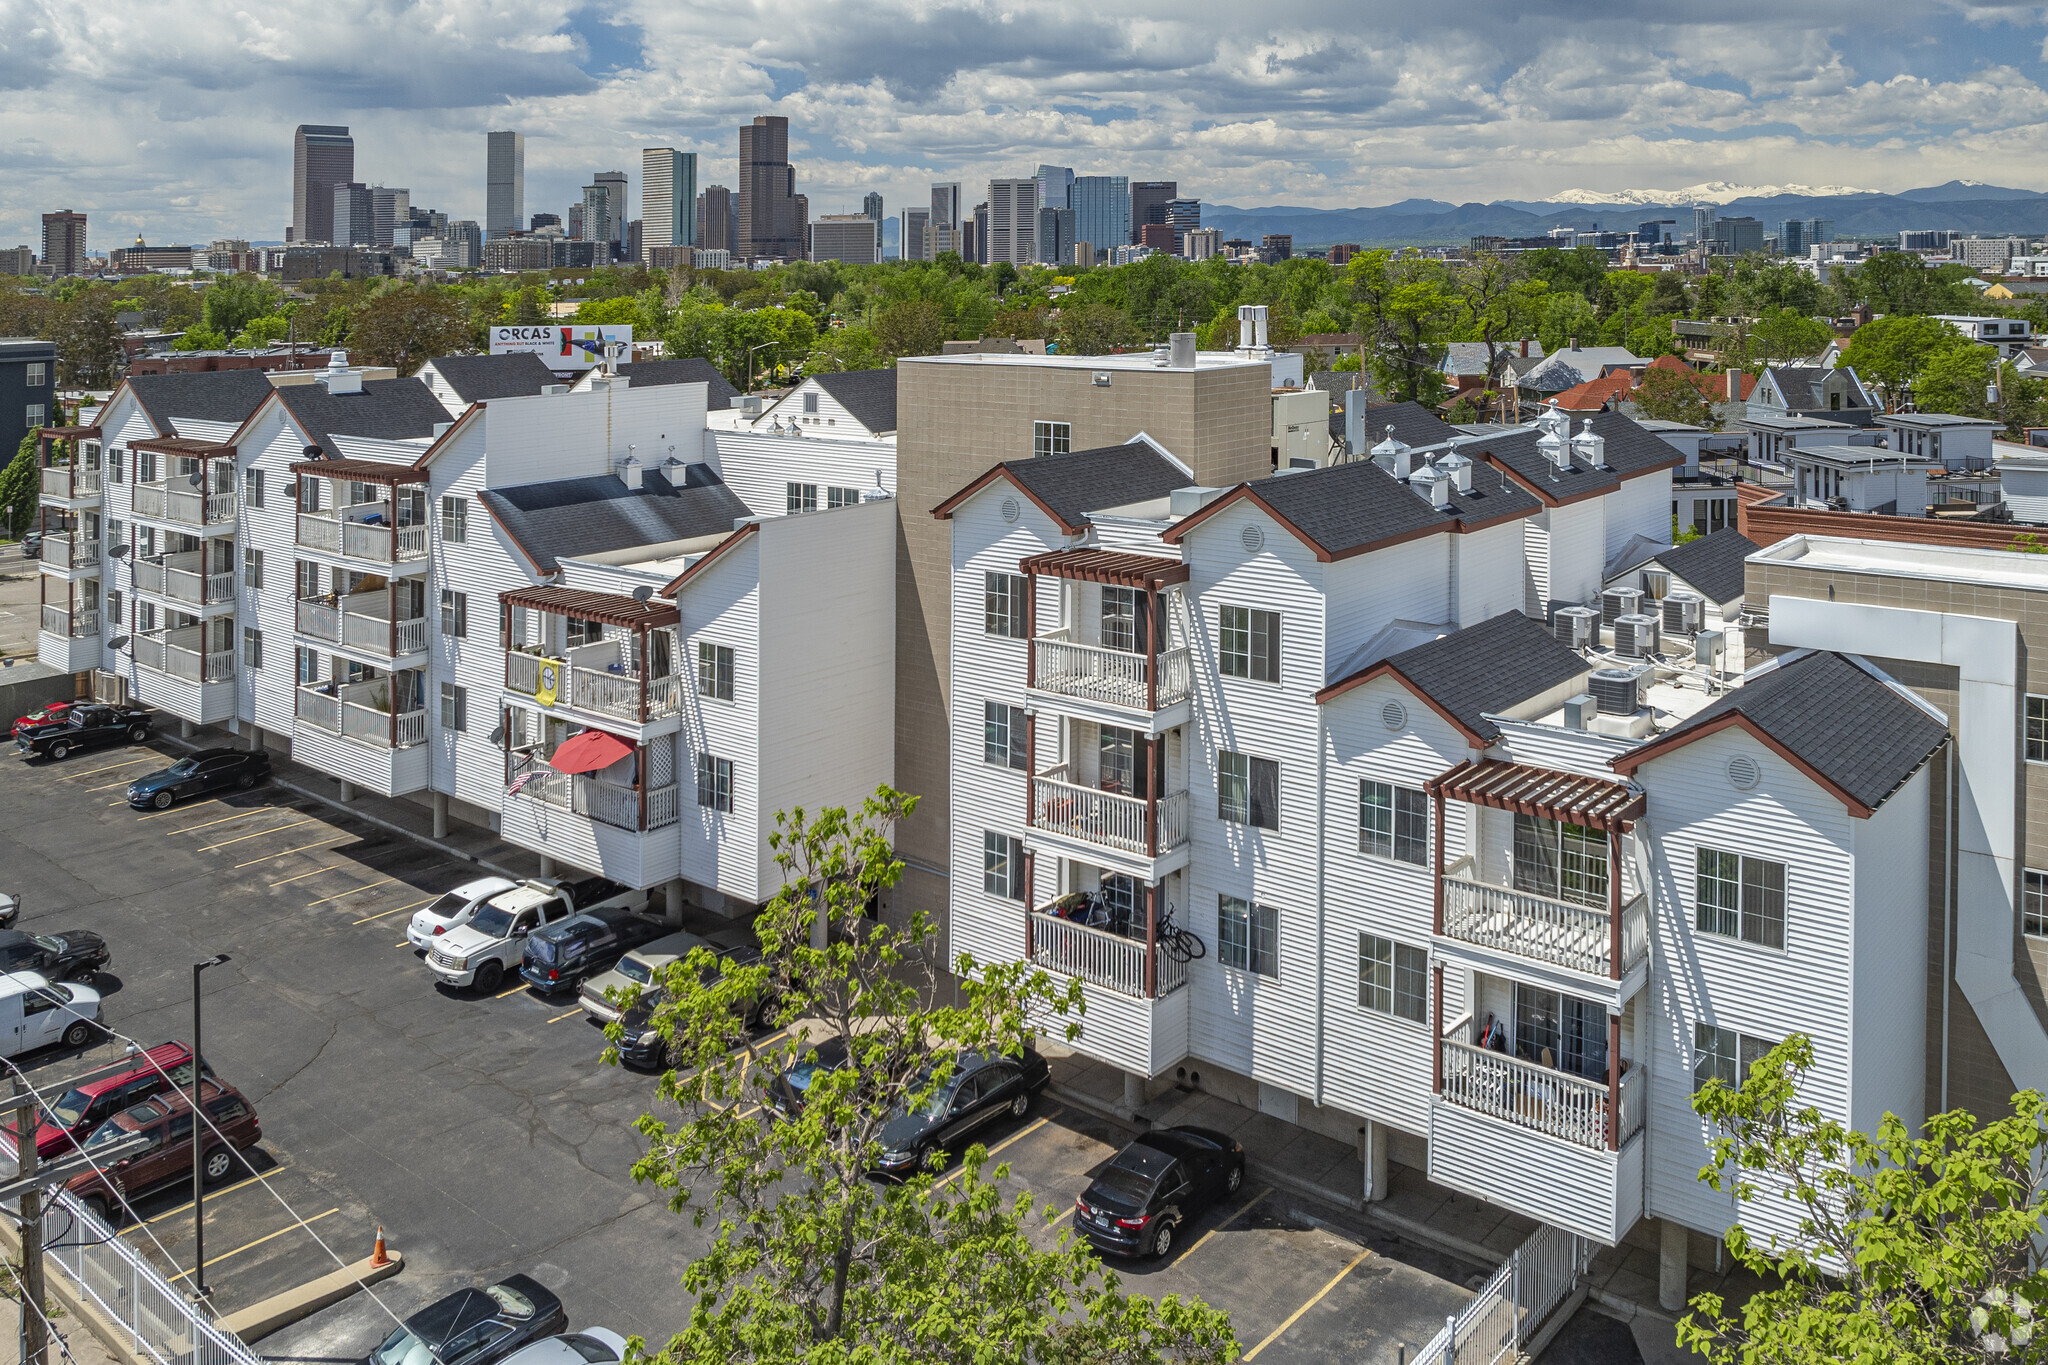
(668, 198)
(323, 156)
(946, 206)
(1183, 216)
(604, 209)
(851, 237)
(464, 245)
(64, 242)
(544, 220)
(355, 215)
(914, 237)
(871, 205)
(19, 260)
(390, 214)
(1738, 236)
(1792, 237)
(771, 222)
(1102, 210)
(1054, 183)
(1203, 243)
(1703, 222)
(1156, 237)
(715, 226)
(635, 247)
(576, 221)
(1055, 234)
(1820, 230)
(504, 183)
(1012, 222)
(974, 236)
(1149, 199)
(622, 210)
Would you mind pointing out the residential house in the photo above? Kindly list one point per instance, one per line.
(1833, 393)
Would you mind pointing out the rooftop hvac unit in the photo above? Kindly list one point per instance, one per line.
(1684, 613)
(1635, 635)
(1614, 690)
(1616, 603)
(1576, 627)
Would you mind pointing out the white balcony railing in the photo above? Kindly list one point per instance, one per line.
(1567, 935)
(347, 710)
(1567, 1107)
(181, 654)
(1105, 675)
(601, 680)
(188, 508)
(1109, 819)
(149, 501)
(72, 551)
(66, 481)
(71, 624)
(361, 539)
(1097, 956)
(610, 803)
(182, 577)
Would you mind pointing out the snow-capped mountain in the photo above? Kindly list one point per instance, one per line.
(1712, 192)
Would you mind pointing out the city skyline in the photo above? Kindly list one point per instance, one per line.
(1236, 110)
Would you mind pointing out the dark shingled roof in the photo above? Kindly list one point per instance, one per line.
(476, 378)
(1519, 452)
(1413, 425)
(688, 370)
(227, 396)
(1712, 564)
(870, 395)
(386, 409)
(1351, 507)
(1087, 481)
(1852, 729)
(1801, 385)
(570, 517)
(1632, 449)
(1488, 668)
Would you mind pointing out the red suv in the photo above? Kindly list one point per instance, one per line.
(166, 1124)
(83, 1108)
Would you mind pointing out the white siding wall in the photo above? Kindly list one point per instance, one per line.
(1578, 549)
(274, 443)
(543, 437)
(1641, 508)
(1888, 1029)
(1406, 582)
(721, 849)
(1491, 575)
(759, 467)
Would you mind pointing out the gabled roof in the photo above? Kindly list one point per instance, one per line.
(1628, 450)
(686, 370)
(1712, 387)
(386, 410)
(1477, 671)
(870, 395)
(1356, 507)
(1800, 386)
(1853, 734)
(225, 396)
(568, 517)
(1413, 424)
(1713, 565)
(476, 378)
(1595, 394)
(1068, 487)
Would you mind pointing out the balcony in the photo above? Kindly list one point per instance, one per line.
(1107, 820)
(182, 576)
(596, 824)
(70, 640)
(71, 550)
(165, 502)
(1575, 937)
(181, 654)
(1113, 677)
(366, 538)
(361, 622)
(72, 625)
(601, 681)
(64, 483)
(351, 711)
(1101, 958)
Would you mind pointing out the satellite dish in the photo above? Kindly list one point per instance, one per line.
(117, 552)
(314, 453)
(497, 734)
(195, 479)
(642, 593)
(119, 642)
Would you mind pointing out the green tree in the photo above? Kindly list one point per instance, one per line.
(912, 327)
(231, 304)
(1785, 334)
(89, 344)
(1582, 270)
(21, 487)
(1668, 396)
(621, 311)
(1954, 380)
(1891, 351)
(1502, 304)
(846, 348)
(1406, 307)
(1094, 329)
(1908, 1249)
(200, 339)
(812, 1261)
(1568, 319)
(406, 326)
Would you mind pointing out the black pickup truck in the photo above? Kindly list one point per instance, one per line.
(85, 727)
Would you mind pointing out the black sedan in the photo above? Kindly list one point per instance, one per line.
(475, 1326)
(1155, 1187)
(206, 771)
(640, 1042)
(85, 727)
(560, 956)
(980, 1091)
(787, 1092)
(60, 957)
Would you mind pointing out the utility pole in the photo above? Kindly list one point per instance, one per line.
(34, 1332)
(199, 1134)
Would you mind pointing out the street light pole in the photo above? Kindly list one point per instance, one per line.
(199, 1289)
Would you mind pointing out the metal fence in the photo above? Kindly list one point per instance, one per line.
(1513, 1307)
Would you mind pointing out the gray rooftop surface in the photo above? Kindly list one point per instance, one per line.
(477, 378)
(565, 518)
(1713, 564)
(209, 396)
(1488, 668)
(685, 370)
(870, 395)
(1084, 481)
(1350, 508)
(386, 410)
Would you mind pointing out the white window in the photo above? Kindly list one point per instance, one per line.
(714, 782)
(117, 532)
(145, 616)
(37, 412)
(1724, 1055)
(1002, 865)
(114, 619)
(454, 707)
(1002, 729)
(38, 374)
(253, 487)
(308, 661)
(1003, 604)
(714, 671)
(1562, 861)
(117, 465)
(1393, 978)
(842, 497)
(252, 568)
(145, 466)
(455, 520)
(1393, 822)
(1740, 897)
(802, 497)
(1051, 438)
(2037, 729)
(1248, 643)
(252, 648)
(455, 613)
(2034, 904)
(1247, 790)
(1248, 936)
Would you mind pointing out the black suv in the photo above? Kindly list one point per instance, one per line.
(560, 956)
(60, 957)
(85, 727)
(1152, 1188)
(980, 1091)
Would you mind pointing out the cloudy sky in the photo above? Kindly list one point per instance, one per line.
(174, 118)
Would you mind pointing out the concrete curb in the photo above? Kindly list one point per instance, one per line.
(260, 1319)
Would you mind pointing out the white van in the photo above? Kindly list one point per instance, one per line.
(35, 1013)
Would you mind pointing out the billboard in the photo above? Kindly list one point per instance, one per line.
(564, 347)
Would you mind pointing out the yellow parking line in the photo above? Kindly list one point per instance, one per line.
(122, 802)
(274, 829)
(210, 1194)
(247, 1246)
(1061, 1217)
(108, 786)
(560, 1017)
(1295, 1316)
(1017, 1136)
(273, 857)
(514, 991)
(153, 758)
(187, 810)
(1221, 1224)
(350, 892)
(189, 829)
(414, 906)
(403, 943)
(303, 875)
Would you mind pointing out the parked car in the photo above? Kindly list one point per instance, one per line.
(640, 1042)
(72, 1117)
(85, 727)
(1155, 1187)
(601, 993)
(36, 1012)
(52, 714)
(32, 545)
(165, 1124)
(452, 910)
(591, 1346)
(491, 944)
(980, 1091)
(787, 1092)
(10, 909)
(206, 771)
(475, 1326)
(558, 957)
(61, 957)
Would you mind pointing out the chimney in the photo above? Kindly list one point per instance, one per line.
(338, 377)
(1525, 348)
(1734, 386)
(629, 473)
(1574, 344)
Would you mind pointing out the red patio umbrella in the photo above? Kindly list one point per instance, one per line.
(589, 751)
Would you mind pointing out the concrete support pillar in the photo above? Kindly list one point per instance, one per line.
(184, 728)
(255, 739)
(674, 906)
(1134, 1091)
(547, 865)
(440, 815)
(1373, 1141)
(1671, 1266)
(348, 792)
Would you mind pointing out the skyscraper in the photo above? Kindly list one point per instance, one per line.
(1055, 234)
(1703, 222)
(1102, 211)
(1184, 216)
(390, 210)
(668, 198)
(715, 218)
(355, 215)
(615, 186)
(914, 242)
(600, 214)
(851, 237)
(64, 242)
(1054, 183)
(1012, 222)
(871, 205)
(946, 221)
(504, 183)
(323, 156)
(771, 222)
(1148, 202)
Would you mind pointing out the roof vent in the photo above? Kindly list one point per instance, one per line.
(629, 473)
(1012, 509)
(1616, 603)
(1393, 715)
(1252, 538)
(1684, 613)
(1743, 772)
(552, 389)
(1181, 349)
(1185, 502)
(1591, 448)
(1432, 485)
(338, 377)
(1459, 468)
(1576, 627)
(1614, 690)
(1635, 635)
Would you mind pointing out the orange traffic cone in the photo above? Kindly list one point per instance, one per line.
(378, 1255)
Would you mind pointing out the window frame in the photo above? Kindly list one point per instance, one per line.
(1727, 1052)
(1011, 589)
(252, 647)
(37, 374)
(1398, 981)
(252, 566)
(455, 614)
(799, 497)
(1395, 841)
(2034, 729)
(715, 664)
(454, 519)
(1003, 732)
(715, 783)
(1051, 437)
(1250, 781)
(1243, 636)
(455, 708)
(837, 495)
(1247, 936)
(1002, 865)
(252, 487)
(2034, 903)
(1760, 926)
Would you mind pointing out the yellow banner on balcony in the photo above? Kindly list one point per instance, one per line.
(550, 684)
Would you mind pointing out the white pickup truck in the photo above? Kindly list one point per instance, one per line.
(484, 951)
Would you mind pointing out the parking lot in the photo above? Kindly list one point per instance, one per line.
(480, 1131)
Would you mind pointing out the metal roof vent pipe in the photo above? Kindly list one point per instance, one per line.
(1590, 447)
(1181, 350)
(629, 473)
(338, 377)
(1459, 468)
